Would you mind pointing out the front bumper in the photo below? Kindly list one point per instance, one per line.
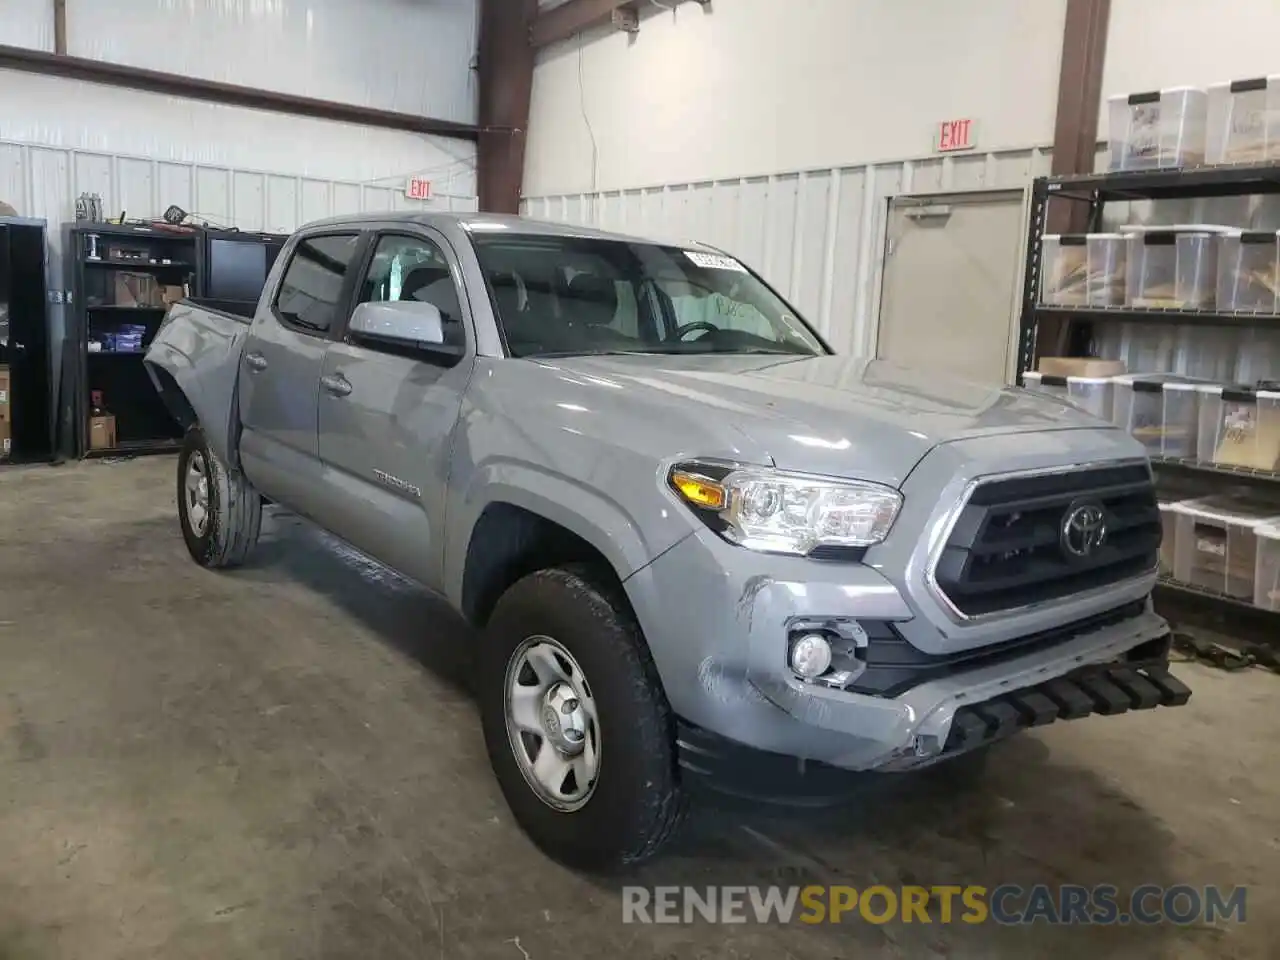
(716, 618)
(729, 767)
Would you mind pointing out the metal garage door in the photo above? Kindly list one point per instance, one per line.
(951, 271)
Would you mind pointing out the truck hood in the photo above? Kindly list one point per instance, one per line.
(831, 415)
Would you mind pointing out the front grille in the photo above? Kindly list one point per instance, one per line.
(1006, 549)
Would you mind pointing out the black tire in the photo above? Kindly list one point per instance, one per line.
(234, 510)
(637, 803)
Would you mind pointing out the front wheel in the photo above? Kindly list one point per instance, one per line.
(219, 511)
(577, 726)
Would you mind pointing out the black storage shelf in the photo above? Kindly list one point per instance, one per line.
(1195, 467)
(142, 423)
(1207, 318)
(121, 308)
(142, 266)
(1096, 190)
(1231, 180)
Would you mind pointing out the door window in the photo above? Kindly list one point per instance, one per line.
(414, 268)
(312, 284)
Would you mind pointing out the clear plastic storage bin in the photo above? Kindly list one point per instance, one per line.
(1091, 394)
(1172, 268)
(1244, 121)
(1257, 355)
(1180, 419)
(1083, 269)
(1205, 353)
(1266, 582)
(1216, 544)
(1065, 270)
(1138, 407)
(1240, 426)
(1161, 128)
(1045, 383)
(1249, 271)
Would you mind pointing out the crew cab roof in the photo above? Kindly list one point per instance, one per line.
(477, 223)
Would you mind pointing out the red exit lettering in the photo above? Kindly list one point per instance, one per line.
(418, 189)
(955, 135)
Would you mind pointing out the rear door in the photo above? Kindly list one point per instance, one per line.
(387, 414)
(282, 361)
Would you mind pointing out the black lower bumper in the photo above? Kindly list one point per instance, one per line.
(1106, 689)
(710, 760)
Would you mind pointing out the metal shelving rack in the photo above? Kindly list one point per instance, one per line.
(144, 425)
(1096, 191)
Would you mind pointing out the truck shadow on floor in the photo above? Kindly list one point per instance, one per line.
(1033, 818)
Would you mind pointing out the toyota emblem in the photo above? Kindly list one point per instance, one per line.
(1084, 530)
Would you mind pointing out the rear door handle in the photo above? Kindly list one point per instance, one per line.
(338, 385)
(256, 361)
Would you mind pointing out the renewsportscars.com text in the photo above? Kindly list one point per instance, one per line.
(1008, 904)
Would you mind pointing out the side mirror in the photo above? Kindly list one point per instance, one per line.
(407, 323)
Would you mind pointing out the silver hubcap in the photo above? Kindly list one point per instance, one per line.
(196, 486)
(552, 723)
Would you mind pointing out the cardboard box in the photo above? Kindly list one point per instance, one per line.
(5, 441)
(102, 432)
(171, 293)
(6, 412)
(1080, 367)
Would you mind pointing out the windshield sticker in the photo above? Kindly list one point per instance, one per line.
(712, 261)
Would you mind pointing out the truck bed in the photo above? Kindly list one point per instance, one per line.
(194, 362)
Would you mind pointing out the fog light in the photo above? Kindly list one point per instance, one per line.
(811, 656)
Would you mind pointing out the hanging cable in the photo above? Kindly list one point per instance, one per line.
(582, 103)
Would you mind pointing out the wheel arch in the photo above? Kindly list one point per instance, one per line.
(509, 541)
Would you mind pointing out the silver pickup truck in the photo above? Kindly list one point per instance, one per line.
(697, 546)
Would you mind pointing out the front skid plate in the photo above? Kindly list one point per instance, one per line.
(1107, 690)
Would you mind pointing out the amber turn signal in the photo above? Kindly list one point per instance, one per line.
(700, 491)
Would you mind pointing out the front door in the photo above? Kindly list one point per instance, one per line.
(951, 269)
(387, 415)
(281, 368)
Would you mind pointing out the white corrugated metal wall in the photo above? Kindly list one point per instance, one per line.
(816, 235)
(245, 168)
(231, 166)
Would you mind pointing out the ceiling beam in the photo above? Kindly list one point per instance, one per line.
(562, 22)
(212, 91)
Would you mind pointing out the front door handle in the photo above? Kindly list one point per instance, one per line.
(338, 385)
(256, 361)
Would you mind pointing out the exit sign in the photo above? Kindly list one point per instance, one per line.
(952, 135)
(418, 189)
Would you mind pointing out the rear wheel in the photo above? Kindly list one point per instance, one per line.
(219, 511)
(576, 723)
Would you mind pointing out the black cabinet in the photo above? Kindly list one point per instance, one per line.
(27, 408)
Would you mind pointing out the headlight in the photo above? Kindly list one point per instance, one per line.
(778, 512)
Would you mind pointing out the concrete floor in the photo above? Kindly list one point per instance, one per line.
(284, 762)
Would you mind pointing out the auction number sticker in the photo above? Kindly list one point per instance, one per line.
(713, 261)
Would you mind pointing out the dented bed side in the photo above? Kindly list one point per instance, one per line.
(194, 362)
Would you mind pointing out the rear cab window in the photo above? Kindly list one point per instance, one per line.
(310, 293)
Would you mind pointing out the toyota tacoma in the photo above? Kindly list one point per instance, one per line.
(696, 544)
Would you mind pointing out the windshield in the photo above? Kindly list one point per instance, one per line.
(568, 295)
